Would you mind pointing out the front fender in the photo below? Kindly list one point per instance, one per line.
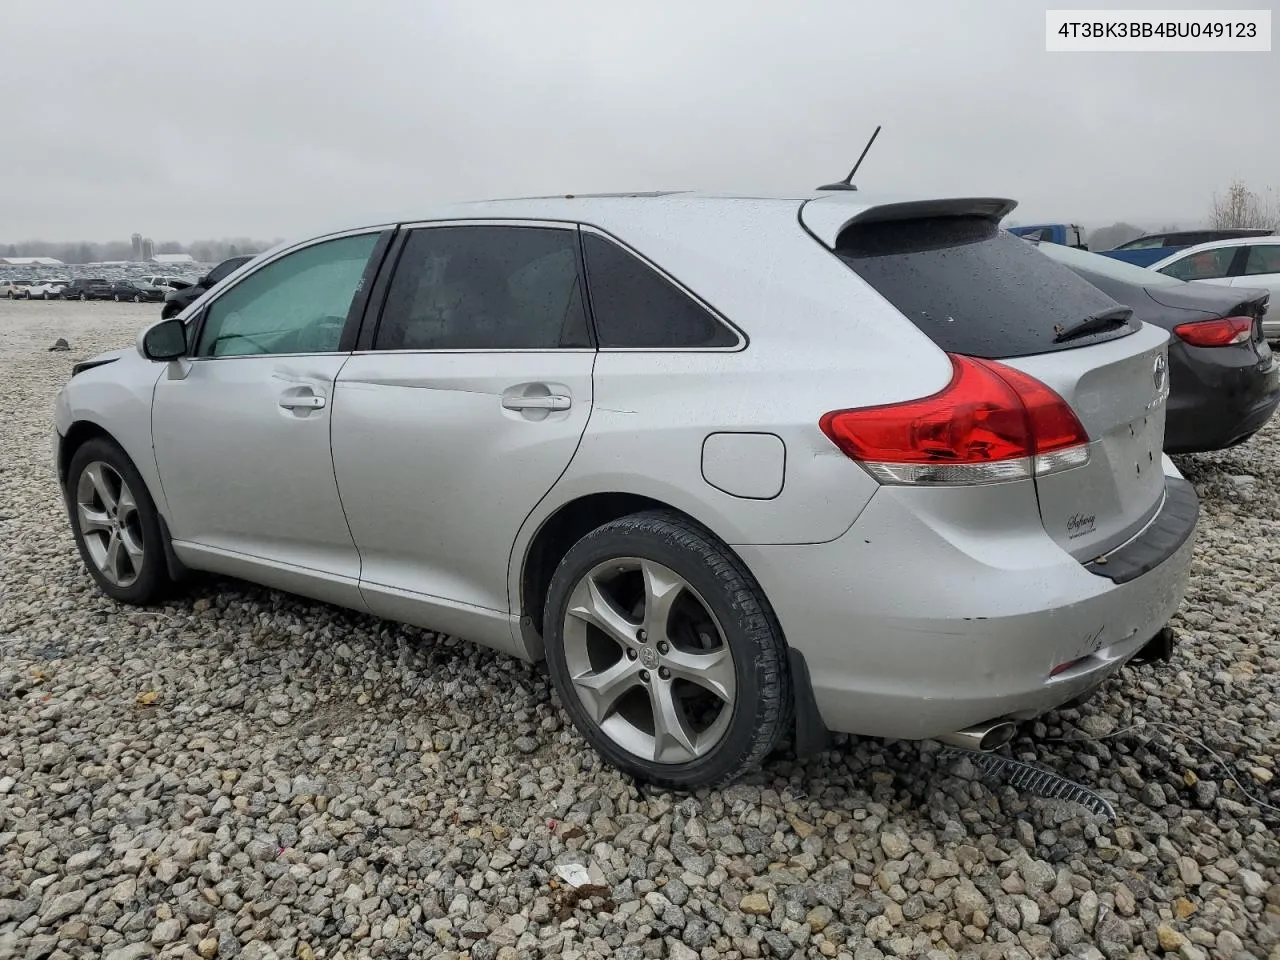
(115, 398)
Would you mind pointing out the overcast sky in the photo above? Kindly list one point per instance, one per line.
(273, 118)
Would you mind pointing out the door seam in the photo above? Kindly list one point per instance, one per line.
(333, 468)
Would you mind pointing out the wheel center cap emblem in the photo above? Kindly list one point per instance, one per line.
(648, 658)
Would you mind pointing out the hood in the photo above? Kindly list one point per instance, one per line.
(111, 356)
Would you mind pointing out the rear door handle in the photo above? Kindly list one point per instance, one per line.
(553, 402)
(311, 402)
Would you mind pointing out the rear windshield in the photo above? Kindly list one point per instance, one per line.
(973, 288)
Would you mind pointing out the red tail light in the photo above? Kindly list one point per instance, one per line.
(990, 423)
(1222, 332)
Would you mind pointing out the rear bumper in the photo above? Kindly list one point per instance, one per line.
(913, 627)
(1218, 397)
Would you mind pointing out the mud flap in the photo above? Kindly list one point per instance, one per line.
(811, 736)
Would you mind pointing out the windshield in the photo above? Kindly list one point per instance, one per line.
(1102, 266)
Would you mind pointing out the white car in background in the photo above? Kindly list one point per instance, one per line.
(169, 283)
(47, 289)
(15, 289)
(1242, 262)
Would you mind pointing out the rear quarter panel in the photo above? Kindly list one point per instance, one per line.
(819, 339)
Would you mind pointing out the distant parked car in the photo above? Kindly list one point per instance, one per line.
(1146, 250)
(137, 291)
(17, 289)
(172, 283)
(97, 288)
(179, 300)
(46, 289)
(1224, 381)
(1241, 262)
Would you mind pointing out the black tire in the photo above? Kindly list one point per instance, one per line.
(137, 298)
(763, 701)
(152, 579)
(115, 297)
(84, 296)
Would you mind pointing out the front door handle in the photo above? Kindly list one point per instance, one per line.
(553, 402)
(311, 402)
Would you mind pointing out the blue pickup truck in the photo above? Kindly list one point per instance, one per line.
(1143, 251)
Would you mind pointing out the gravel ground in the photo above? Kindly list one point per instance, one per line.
(242, 773)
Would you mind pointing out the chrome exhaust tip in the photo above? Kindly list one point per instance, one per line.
(982, 736)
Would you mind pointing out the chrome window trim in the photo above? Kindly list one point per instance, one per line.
(606, 235)
(491, 222)
(464, 351)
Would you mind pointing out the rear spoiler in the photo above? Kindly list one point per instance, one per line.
(827, 217)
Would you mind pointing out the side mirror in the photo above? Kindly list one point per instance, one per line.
(167, 340)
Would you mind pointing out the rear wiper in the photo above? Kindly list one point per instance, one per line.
(1094, 323)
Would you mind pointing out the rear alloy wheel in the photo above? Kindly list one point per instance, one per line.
(115, 522)
(665, 653)
(115, 297)
(137, 298)
(84, 296)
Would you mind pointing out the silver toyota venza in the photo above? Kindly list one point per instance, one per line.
(739, 468)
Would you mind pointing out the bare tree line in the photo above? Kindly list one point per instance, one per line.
(1243, 207)
(204, 251)
(1239, 206)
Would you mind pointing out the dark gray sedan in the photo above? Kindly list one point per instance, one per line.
(1224, 381)
(136, 291)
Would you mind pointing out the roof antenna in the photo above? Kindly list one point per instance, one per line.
(847, 182)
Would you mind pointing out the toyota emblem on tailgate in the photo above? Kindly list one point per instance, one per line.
(1160, 377)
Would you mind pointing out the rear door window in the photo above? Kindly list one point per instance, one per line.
(974, 289)
(1202, 265)
(485, 288)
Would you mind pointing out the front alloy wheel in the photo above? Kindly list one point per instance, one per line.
(117, 528)
(110, 524)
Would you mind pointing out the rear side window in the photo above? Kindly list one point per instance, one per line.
(1264, 258)
(972, 288)
(1202, 265)
(485, 288)
(636, 307)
